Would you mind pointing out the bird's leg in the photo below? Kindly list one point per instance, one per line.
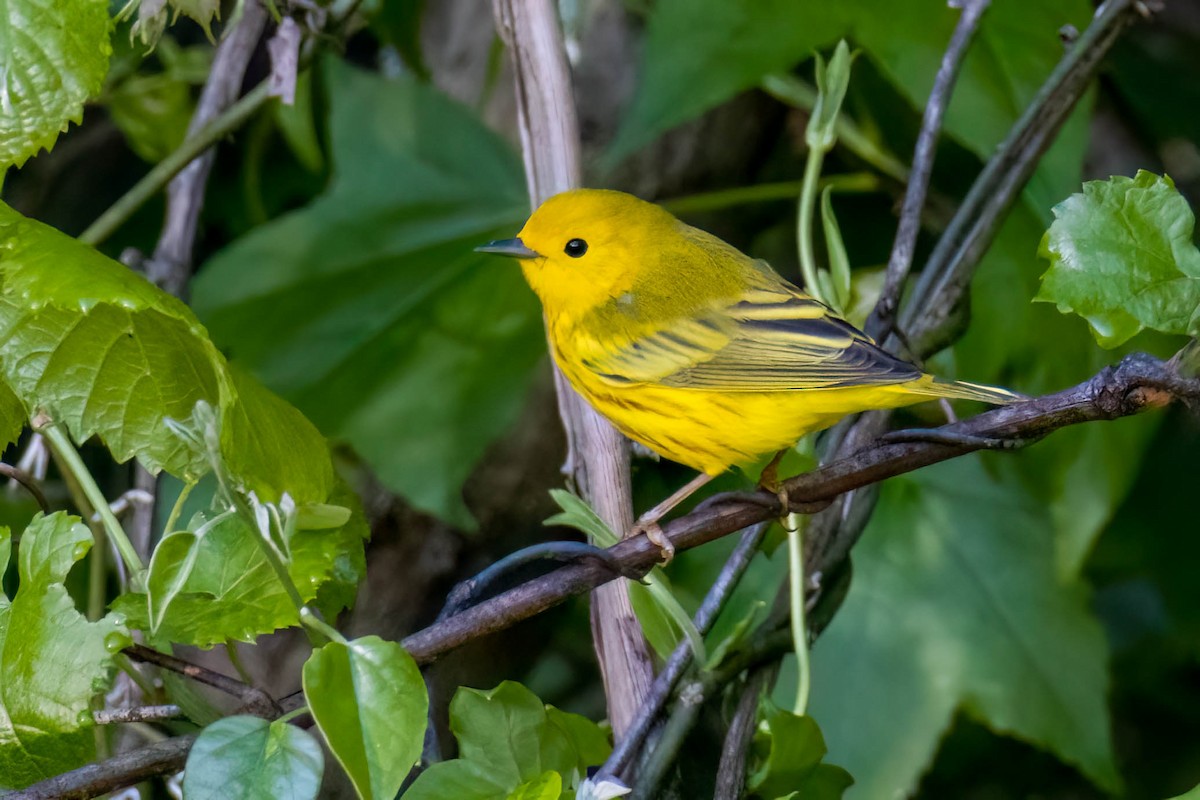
(769, 480)
(648, 523)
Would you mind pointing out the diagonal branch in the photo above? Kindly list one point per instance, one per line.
(1140, 382)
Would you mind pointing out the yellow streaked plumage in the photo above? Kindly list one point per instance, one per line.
(692, 348)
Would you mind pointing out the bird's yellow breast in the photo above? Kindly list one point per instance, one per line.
(712, 431)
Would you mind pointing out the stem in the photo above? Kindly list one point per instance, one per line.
(177, 508)
(796, 582)
(162, 172)
(310, 620)
(69, 457)
(269, 552)
(236, 661)
(795, 92)
(97, 577)
(804, 218)
(720, 199)
(295, 712)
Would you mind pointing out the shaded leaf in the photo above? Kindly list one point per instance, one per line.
(988, 626)
(246, 758)
(368, 308)
(791, 749)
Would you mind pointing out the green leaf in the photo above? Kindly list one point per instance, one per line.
(368, 308)
(246, 758)
(987, 626)
(700, 53)
(51, 658)
(1121, 256)
(1194, 794)
(273, 448)
(368, 698)
(547, 786)
(99, 347)
(1081, 474)
(791, 749)
(506, 738)
(212, 583)
(55, 58)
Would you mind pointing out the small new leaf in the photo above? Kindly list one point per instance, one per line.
(1121, 256)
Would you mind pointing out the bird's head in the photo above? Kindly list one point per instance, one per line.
(586, 247)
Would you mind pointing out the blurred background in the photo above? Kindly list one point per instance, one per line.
(1019, 625)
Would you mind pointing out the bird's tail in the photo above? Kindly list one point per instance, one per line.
(961, 390)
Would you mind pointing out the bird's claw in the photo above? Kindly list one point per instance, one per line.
(654, 532)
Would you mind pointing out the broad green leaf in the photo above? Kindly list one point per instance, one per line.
(52, 660)
(53, 57)
(700, 53)
(1194, 794)
(1082, 474)
(1122, 257)
(987, 626)
(368, 308)
(547, 786)
(790, 751)
(99, 347)
(368, 698)
(12, 416)
(212, 583)
(506, 738)
(247, 758)
(272, 447)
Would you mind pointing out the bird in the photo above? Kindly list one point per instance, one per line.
(690, 347)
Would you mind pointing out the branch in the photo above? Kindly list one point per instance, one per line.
(618, 763)
(929, 315)
(110, 716)
(160, 758)
(900, 261)
(1140, 382)
(257, 701)
(597, 456)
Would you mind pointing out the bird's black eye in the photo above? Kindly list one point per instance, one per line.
(575, 248)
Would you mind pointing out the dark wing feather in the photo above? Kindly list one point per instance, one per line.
(772, 339)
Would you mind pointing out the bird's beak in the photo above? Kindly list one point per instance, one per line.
(513, 248)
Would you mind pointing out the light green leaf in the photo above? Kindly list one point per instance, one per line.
(506, 738)
(247, 758)
(790, 750)
(212, 583)
(1121, 256)
(52, 660)
(368, 308)
(547, 786)
(54, 57)
(99, 347)
(368, 698)
(988, 626)
(1194, 794)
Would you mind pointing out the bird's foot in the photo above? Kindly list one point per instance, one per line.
(654, 532)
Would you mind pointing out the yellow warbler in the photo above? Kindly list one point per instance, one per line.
(687, 345)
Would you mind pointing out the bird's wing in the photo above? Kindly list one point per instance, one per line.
(769, 339)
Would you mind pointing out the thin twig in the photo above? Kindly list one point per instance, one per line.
(951, 265)
(27, 483)
(110, 716)
(900, 261)
(731, 772)
(250, 695)
(619, 762)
